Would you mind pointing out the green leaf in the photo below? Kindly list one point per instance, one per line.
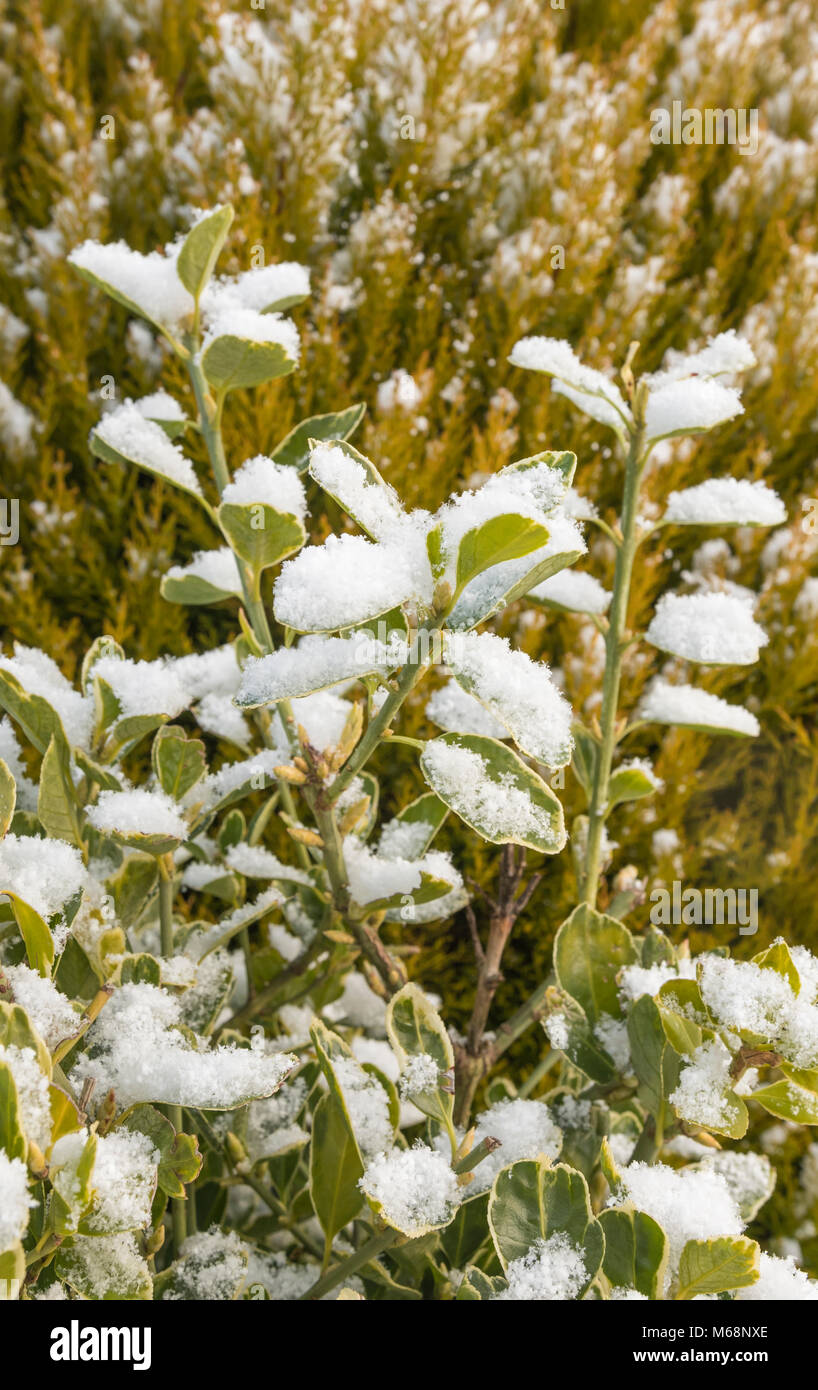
(39, 942)
(17, 1030)
(12, 1138)
(654, 1060)
(72, 1189)
(294, 448)
(501, 538)
(261, 535)
(589, 950)
(38, 721)
(12, 1272)
(714, 1266)
(178, 761)
(425, 815)
(414, 1027)
(140, 969)
(96, 773)
(586, 751)
(501, 584)
(629, 784)
(195, 591)
(180, 1161)
(231, 363)
(581, 1047)
(467, 1232)
(201, 248)
(372, 479)
(636, 1251)
(335, 1167)
(531, 1200)
(476, 1286)
(777, 957)
(8, 798)
(790, 1100)
(541, 827)
(56, 804)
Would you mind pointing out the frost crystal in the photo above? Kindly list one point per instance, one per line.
(713, 628)
(415, 1188)
(420, 1074)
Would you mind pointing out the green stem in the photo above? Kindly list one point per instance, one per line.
(166, 905)
(615, 643)
(409, 677)
(543, 1067)
(347, 1267)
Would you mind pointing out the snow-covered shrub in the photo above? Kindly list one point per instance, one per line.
(217, 1080)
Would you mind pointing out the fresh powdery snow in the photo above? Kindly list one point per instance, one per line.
(39, 675)
(517, 691)
(457, 712)
(574, 589)
(215, 672)
(123, 1179)
(257, 862)
(415, 1188)
(636, 980)
(150, 282)
(664, 703)
(688, 1203)
(486, 591)
(700, 1097)
(137, 812)
(15, 1200)
(372, 878)
(525, 1129)
(216, 567)
(45, 874)
(503, 809)
(723, 501)
(725, 355)
(420, 1074)
(258, 289)
(298, 671)
(160, 406)
(138, 1051)
(253, 327)
(375, 506)
(33, 1094)
(712, 628)
(143, 687)
(689, 406)
(126, 430)
(552, 1270)
(212, 1268)
(744, 996)
(592, 391)
(52, 1014)
(343, 582)
(260, 480)
(779, 1280)
(367, 1104)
